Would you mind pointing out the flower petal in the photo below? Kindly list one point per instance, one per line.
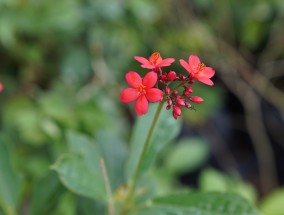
(193, 62)
(205, 81)
(148, 66)
(142, 60)
(150, 80)
(128, 95)
(166, 62)
(141, 105)
(154, 95)
(208, 72)
(185, 65)
(133, 79)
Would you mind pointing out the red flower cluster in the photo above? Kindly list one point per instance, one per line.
(147, 89)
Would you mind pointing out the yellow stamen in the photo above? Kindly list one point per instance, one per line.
(154, 58)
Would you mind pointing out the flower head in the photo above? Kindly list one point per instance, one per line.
(198, 70)
(1, 87)
(154, 62)
(142, 90)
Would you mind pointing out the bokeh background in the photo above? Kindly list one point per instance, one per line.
(62, 64)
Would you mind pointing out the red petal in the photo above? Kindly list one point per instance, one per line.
(150, 80)
(154, 95)
(148, 66)
(133, 79)
(141, 105)
(142, 60)
(128, 95)
(205, 81)
(193, 61)
(185, 65)
(208, 72)
(166, 62)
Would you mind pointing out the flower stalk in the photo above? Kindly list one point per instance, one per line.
(129, 199)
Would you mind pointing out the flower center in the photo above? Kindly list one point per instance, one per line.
(155, 58)
(141, 88)
(200, 67)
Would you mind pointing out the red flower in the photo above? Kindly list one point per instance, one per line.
(198, 70)
(155, 61)
(142, 90)
(1, 87)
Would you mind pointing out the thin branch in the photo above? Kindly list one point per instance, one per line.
(111, 209)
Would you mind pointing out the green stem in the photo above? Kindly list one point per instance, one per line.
(129, 198)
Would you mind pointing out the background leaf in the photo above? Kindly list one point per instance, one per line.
(83, 160)
(211, 203)
(186, 155)
(113, 150)
(9, 181)
(273, 204)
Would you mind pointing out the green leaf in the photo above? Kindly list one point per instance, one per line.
(199, 203)
(45, 194)
(273, 203)
(165, 131)
(80, 169)
(113, 150)
(186, 155)
(213, 180)
(9, 181)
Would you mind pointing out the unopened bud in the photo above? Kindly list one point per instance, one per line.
(167, 90)
(180, 102)
(168, 107)
(170, 102)
(177, 110)
(196, 99)
(171, 76)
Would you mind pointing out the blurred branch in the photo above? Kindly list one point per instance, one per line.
(244, 84)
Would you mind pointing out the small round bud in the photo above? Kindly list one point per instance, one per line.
(171, 76)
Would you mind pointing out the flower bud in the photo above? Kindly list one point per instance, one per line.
(171, 76)
(196, 99)
(170, 102)
(176, 112)
(188, 88)
(168, 107)
(167, 90)
(179, 101)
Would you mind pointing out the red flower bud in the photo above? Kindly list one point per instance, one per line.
(167, 90)
(171, 76)
(177, 110)
(188, 89)
(168, 107)
(180, 102)
(196, 99)
(175, 92)
(170, 102)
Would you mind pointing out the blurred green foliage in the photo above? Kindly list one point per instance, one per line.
(62, 64)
